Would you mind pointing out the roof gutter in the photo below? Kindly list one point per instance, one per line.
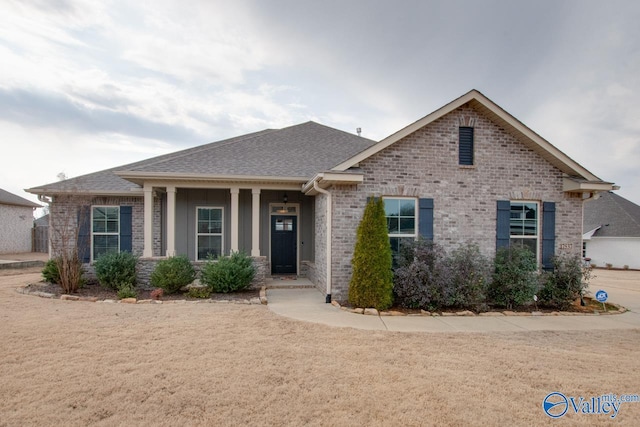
(329, 222)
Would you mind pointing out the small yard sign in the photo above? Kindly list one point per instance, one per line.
(601, 296)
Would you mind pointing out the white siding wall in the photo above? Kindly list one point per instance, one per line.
(15, 228)
(618, 251)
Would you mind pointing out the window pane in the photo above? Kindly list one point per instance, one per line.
(103, 244)
(112, 213)
(531, 244)
(391, 207)
(112, 226)
(203, 214)
(393, 225)
(99, 214)
(407, 225)
(530, 227)
(209, 245)
(407, 207)
(99, 226)
(530, 210)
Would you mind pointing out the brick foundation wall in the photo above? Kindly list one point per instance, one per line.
(425, 165)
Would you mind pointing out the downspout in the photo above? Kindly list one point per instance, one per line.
(329, 222)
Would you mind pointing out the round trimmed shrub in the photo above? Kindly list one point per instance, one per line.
(173, 273)
(116, 269)
(228, 274)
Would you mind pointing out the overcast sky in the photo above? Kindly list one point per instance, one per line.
(89, 85)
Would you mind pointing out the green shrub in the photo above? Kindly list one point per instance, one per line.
(467, 278)
(116, 269)
(50, 272)
(420, 275)
(199, 292)
(127, 290)
(228, 273)
(565, 283)
(428, 278)
(515, 280)
(371, 282)
(173, 273)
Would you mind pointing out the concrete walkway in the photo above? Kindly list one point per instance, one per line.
(308, 304)
(23, 260)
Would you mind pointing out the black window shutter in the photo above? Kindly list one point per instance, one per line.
(84, 234)
(465, 146)
(502, 224)
(425, 218)
(548, 234)
(125, 229)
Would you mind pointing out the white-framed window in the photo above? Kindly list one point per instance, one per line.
(524, 226)
(105, 230)
(209, 228)
(402, 220)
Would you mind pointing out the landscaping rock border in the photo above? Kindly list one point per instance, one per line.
(468, 313)
(262, 300)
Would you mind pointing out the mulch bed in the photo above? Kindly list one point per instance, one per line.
(95, 290)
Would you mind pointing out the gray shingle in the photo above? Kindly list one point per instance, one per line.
(7, 198)
(618, 216)
(297, 151)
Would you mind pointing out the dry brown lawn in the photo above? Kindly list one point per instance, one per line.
(81, 363)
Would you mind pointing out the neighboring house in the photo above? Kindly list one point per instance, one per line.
(292, 198)
(16, 222)
(612, 231)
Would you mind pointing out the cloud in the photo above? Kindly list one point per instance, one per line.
(36, 109)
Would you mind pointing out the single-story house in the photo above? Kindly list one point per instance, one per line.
(292, 198)
(612, 231)
(16, 222)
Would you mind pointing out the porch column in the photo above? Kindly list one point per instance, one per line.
(171, 220)
(235, 214)
(255, 222)
(147, 251)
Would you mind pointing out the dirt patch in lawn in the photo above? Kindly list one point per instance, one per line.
(76, 364)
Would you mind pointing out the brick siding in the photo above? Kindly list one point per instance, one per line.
(425, 165)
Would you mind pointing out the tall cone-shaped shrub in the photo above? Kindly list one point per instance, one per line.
(372, 279)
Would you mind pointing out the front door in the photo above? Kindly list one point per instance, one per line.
(284, 244)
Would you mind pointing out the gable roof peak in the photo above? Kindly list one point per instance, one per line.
(496, 114)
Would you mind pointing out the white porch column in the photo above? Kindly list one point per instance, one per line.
(255, 222)
(147, 251)
(235, 192)
(171, 220)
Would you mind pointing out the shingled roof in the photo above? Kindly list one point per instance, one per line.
(298, 151)
(615, 215)
(7, 198)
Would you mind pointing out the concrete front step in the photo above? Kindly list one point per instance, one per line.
(288, 283)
